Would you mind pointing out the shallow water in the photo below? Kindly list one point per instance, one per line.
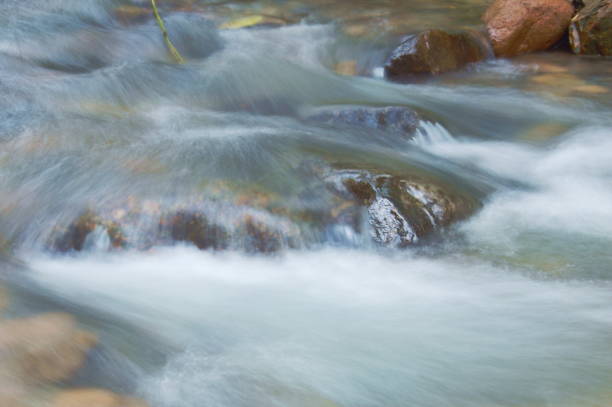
(510, 307)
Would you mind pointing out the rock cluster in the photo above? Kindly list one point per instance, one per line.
(513, 27)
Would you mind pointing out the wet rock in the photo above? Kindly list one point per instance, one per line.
(74, 237)
(261, 238)
(94, 398)
(521, 26)
(393, 119)
(194, 227)
(45, 348)
(389, 227)
(401, 210)
(360, 189)
(591, 29)
(441, 206)
(435, 52)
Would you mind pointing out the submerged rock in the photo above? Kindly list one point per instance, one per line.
(253, 21)
(435, 52)
(194, 227)
(346, 68)
(127, 14)
(260, 238)
(94, 398)
(591, 29)
(75, 236)
(521, 26)
(4, 301)
(44, 348)
(398, 120)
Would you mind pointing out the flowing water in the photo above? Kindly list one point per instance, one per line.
(510, 307)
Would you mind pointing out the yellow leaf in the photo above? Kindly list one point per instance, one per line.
(242, 22)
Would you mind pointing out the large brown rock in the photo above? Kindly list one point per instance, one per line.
(521, 26)
(435, 52)
(591, 29)
(45, 348)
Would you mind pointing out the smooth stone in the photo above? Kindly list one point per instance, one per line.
(435, 52)
(522, 26)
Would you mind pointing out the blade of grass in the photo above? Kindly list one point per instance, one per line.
(173, 51)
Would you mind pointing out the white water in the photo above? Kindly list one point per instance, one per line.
(513, 310)
(361, 328)
(351, 327)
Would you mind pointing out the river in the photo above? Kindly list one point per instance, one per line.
(508, 307)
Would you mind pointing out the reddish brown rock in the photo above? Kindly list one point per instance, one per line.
(521, 26)
(591, 29)
(435, 52)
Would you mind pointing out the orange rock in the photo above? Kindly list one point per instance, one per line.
(94, 398)
(44, 348)
(521, 26)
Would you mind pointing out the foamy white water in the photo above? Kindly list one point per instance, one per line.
(339, 327)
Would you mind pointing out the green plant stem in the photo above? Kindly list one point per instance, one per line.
(173, 51)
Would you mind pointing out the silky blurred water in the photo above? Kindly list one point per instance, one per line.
(508, 308)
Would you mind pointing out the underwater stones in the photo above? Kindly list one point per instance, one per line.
(521, 26)
(260, 238)
(346, 68)
(591, 29)
(90, 397)
(398, 120)
(128, 14)
(193, 227)
(74, 237)
(44, 348)
(436, 51)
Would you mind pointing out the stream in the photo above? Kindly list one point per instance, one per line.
(297, 300)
